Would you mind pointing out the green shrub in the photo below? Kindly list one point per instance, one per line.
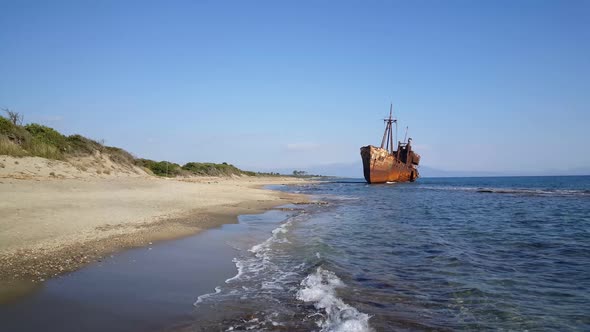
(39, 148)
(160, 168)
(165, 168)
(119, 155)
(80, 145)
(6, 127)
(16, 134)
(9, 148)
(48, 136)
(31, 140)
(42, 141)
(211, 169)
(268, 174)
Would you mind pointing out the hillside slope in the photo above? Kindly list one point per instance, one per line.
(34, 150)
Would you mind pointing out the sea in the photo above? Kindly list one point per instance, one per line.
(439, 254)
(444, 254)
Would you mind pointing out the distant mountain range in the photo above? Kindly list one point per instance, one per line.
(355, 170)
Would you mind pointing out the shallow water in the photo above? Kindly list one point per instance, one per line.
(439, 254)
(143, 289)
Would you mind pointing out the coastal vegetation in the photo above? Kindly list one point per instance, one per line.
(304, 174)
(223, 169)
(36, 140)
(170, 169)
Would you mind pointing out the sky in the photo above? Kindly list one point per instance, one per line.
(482, 85)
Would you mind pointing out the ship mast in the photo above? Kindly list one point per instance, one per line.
(387, 141)
(406, 136)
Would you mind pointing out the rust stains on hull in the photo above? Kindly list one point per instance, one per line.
(379, 166)
(390, 163)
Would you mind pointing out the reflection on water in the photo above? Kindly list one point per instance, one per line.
(13, 290)
(137, 290)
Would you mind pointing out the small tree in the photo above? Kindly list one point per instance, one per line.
(15, 117)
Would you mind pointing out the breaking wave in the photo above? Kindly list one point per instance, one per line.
(319, 288)
(250, 267)
(271, 284)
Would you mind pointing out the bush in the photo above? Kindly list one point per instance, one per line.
(165, 168)
(38, 140)
(119, 155)
(48, 136)
(160, 168)
(80, 145)
(8, 147)
(41, 149)
(16, 134)
(6, 127)
(212, 169)
(42, 141)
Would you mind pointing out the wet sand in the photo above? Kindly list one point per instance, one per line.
(143, 289)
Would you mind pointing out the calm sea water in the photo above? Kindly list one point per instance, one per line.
(508, 253)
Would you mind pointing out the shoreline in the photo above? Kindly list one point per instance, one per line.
(183, 207)
(153, 288)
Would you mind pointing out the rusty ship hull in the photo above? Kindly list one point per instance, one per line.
(379, 166)
(390, 163)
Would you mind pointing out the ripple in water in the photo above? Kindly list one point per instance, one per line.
(275, 290)
(438, 254)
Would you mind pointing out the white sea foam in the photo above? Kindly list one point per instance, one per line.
(204, 296)
(271, 285)
(240, 267)
(248, 267)
(332, 197)
(320, 289)
(260, 250)
(257, 324)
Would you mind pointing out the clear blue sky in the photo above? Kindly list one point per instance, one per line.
(483, 85)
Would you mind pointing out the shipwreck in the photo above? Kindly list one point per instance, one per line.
(388, 163)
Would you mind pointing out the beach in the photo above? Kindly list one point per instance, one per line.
(438, 254)
(55, 223)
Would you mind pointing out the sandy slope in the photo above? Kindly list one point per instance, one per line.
(51, 224)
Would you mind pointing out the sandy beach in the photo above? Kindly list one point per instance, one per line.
(55, 223)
